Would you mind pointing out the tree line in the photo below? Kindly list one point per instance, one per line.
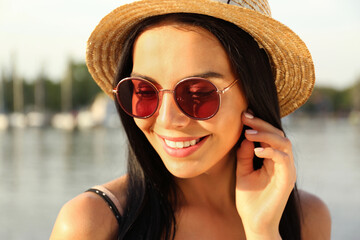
(77, 91)
(338, 102)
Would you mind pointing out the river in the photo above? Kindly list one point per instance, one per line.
(41, 169)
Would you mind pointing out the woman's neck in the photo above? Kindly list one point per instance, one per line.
(215, 188)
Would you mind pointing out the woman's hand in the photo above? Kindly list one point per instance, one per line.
(261, 195)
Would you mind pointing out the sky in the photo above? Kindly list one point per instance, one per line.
(41, 35)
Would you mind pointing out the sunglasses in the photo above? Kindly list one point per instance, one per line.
(197, 98)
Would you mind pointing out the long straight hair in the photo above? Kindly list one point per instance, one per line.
(152, 193)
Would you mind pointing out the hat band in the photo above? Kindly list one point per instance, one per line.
(261, 6)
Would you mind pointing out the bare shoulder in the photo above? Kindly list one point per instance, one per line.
(88, 216)
(85, 217)
(316, 222)
(119, 188)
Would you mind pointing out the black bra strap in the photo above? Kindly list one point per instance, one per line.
(109, 202)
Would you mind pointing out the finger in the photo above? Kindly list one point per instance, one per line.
(245, 155)
(285, 164)
(271, 153)
(259, 124)
(269, 139)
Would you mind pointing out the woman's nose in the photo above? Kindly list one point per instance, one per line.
(169, 114)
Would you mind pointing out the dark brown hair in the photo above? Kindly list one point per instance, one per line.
(151, 196)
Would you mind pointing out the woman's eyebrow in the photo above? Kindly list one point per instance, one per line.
(209, 74)
(205, 75)
(134, 74)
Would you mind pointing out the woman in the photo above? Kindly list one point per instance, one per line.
(200, 87)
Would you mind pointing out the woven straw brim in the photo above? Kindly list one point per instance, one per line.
(291, 61)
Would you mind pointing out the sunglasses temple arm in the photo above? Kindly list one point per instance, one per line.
(228, 87)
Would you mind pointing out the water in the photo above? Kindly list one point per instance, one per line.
(328, 164)
(41, 169)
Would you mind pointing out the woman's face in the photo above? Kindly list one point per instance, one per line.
(167, 54)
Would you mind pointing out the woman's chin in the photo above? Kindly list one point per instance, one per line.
(183, 170)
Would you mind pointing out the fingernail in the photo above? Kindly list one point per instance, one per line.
(248, 115)
(251, 131)
(259, 149)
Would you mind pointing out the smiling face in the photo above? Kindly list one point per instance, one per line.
(166, 54)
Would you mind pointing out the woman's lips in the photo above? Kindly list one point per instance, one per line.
(181, 147)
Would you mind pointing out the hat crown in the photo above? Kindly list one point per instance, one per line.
(261, 6)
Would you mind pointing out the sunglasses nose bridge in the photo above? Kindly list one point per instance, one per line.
(166, 91)
(161, 94)
(169, 113)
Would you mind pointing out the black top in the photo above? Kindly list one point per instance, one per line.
(109, 202)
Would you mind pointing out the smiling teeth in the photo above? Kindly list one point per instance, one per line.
(181, 144)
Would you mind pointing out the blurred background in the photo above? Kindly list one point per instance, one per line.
(59, 135)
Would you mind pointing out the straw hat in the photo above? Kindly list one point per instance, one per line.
(291, 61)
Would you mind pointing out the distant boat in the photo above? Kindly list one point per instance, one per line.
(85, 120)
(36, 119)
(354, 117)
(102, 113)
(17, 120)
(64, 121)
(4, 122)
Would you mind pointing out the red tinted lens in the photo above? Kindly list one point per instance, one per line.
(137, 97)
(198, 98)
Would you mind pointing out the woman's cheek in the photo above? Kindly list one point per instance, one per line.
(144, 125)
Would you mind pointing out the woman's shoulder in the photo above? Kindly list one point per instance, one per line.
(118, 188)
(316, 222)
(88, 216)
